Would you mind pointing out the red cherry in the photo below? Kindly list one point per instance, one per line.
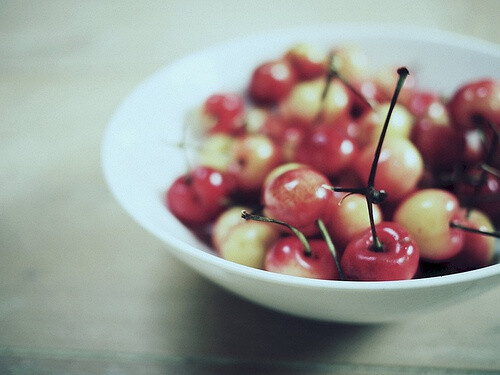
(288, 256)
(441, 146)
(476, 103)
(327, 150)
(271, 82)
(199, 196)
(223, 113)
(398, 261)
(297, 196)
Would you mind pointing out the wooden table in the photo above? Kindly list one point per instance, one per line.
(83, 289)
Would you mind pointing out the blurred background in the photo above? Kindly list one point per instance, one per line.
(83, 289)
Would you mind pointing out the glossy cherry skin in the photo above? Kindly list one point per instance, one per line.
(475, 103)
(427, 214)
(247, 243)
(398, 261)
(252, 157)
(287, 256)
(223, 113)
(327, 150)
(297, 196)
(304, 105)
(372, 122)
(199, 196)
(348, 218)
(271, 82)
(399, 169)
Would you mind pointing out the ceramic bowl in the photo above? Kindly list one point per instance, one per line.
(139, 163)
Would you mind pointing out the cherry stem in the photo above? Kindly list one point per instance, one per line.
(495, 234)
(330, 245)
(403, 73)
(490, 169)
(373, 195)
(307, 248)
(333, 72)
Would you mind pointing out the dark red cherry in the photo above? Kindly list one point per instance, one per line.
(475, 104)
(326, 149)
(398, 259)
(271, 82)
(199, 196)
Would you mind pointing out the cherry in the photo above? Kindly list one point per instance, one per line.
(224, 223)
(386, 80)
(311, 100)
(200, 195)
(397, 260)
(348, 218)
(372, 122)
(429, 138)
(287, 256)
(252, 157)
(427, 214)
(421, 103)
(350, 62)
(399, 169)
(308, 60)
(479, 248)
(296, 196)
(271, 82)
(285, 134)
(327, 150)
(370, 95)
(215, 151)
(303, 104)
(481, 191)
(243, 242)
(297, 256)
(223, 113)
(476, 103)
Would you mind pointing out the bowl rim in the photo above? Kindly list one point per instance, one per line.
(362, 30)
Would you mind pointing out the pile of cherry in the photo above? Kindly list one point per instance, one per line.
(321, 169)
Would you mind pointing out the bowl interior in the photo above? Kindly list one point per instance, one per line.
(140, 160)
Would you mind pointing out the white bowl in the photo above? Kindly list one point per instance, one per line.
(139, 163)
